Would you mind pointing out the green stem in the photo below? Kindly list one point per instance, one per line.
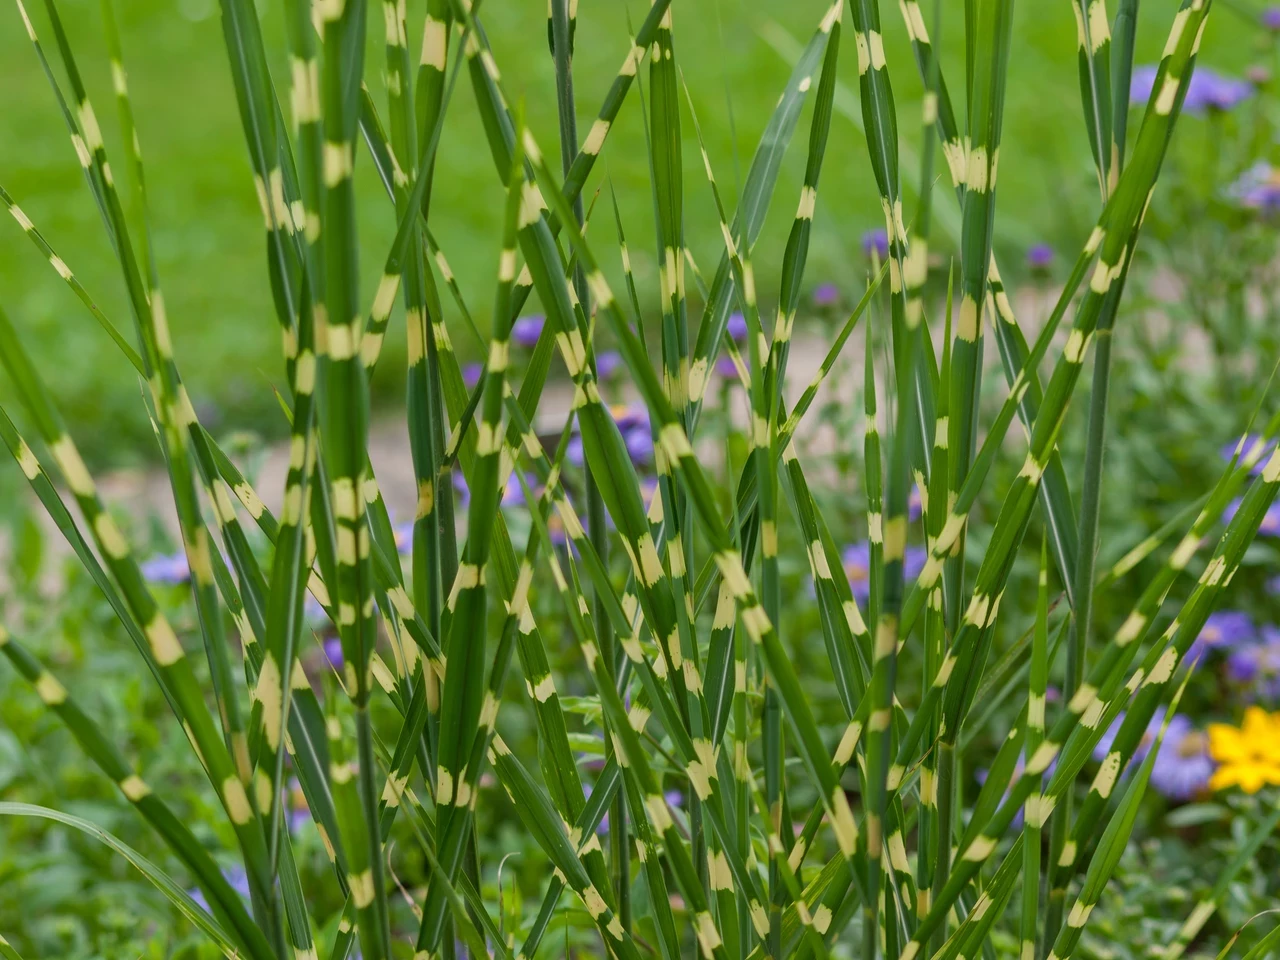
(561, 37)
(1081, 624)
(944, 830)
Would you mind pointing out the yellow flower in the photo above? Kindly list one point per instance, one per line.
(1248, 756)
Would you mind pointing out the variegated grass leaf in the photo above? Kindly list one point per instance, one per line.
(171, 890)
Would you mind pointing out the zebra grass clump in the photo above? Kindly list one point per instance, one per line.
(672, 601)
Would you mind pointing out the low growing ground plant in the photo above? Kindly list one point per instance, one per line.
(690, 776)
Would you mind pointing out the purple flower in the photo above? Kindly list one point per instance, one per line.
(1225, 628)
(1265, 197)
(726, 368)
(513, 492)
(636, 432)
(857, 566)
(633, 424)
(1208, 90)
(608, 363)
(1104, 744)
(471, 374)
(460, 488)
(298, 818)
(648, 490)
(295, 801)
(1182, 766)
(639, 443)
(1258, 188)
(981, 775)
(630, 416)
(875, 243)
(170, 568)
(333, 652)
(603, 827)
(555, 528)
(1271, 18)
(1141, 83)
(1211, 91)
(234, 875)
(526, 330)
(1270, 525)
(1258, 665)
(826, 295)
(403, 533)
(737, 327)
(1040, 256)
(913, 562)
(1247, 446)
(1244, 663)
(313, 612)
(915, 505)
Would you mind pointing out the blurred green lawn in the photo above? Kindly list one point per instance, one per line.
(208, 231)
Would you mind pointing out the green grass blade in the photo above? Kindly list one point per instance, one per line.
(1114, 839)
(343, 399)
(1208, 904)
(88, 734)
(1009, 336)
(165, 654)
(172, 891)
(562, 20)
(539, 816)
(1035, 734)
(1125, 29)
(648, 806)
(879, 114)
(462, 696)
(63, 271)
(602, 442)
(757, 192)
(680, 456)
(1093, 35)
(987, 46)
(1076, 732)
(1137, 625)
(1094, 54)
(1118, 226)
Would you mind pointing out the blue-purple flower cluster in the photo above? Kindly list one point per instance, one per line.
(1208, 92)
(857, 566)
(1258, 188)
(1040, 257)
(1182, 767)
(875, 244)
(633, 424)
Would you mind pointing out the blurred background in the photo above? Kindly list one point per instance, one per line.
(1197, 334)
(735, 56)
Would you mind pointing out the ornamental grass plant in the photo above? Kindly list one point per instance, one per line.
(622, 662)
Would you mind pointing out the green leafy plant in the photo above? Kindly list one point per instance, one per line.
(674, 607)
